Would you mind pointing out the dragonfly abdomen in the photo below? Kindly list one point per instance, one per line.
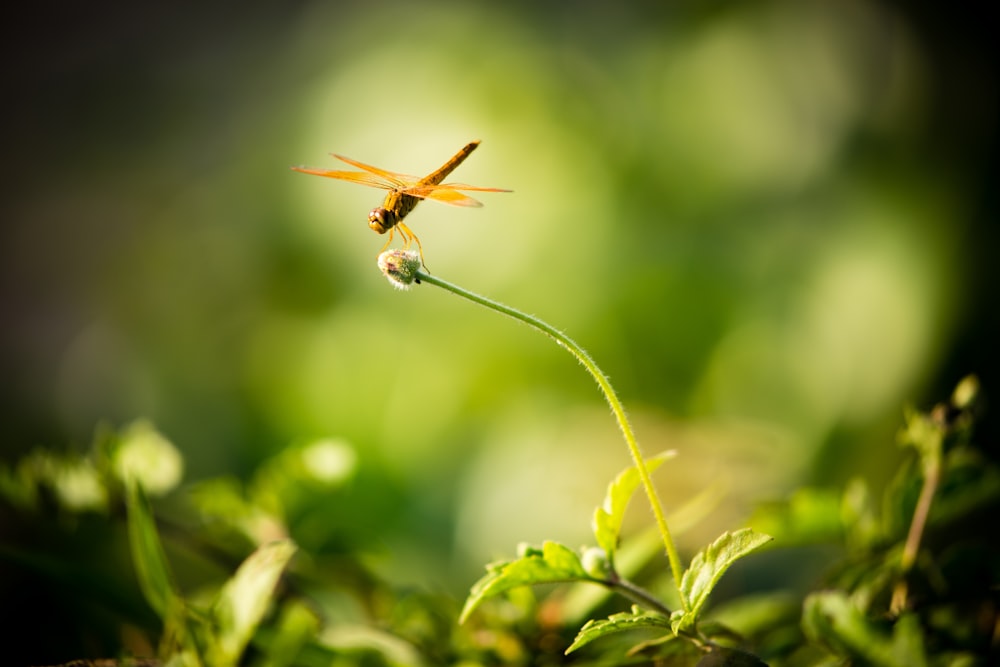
(449, 166)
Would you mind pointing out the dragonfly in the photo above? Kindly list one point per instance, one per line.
(406, 191)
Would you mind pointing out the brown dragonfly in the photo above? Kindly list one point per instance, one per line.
(406, 191)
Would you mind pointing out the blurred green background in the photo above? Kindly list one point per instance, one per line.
(770, 223)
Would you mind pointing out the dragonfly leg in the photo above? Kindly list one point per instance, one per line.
(391, 233)
(408, 234)
(405, 234)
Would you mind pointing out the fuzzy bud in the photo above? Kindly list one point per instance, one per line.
(400, 267)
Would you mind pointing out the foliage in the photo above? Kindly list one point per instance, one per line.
(912, 586)
(894, 598)
(917, 580)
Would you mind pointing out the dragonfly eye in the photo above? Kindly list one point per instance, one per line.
(381, 220)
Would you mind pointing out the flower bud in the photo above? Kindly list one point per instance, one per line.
(595, 562)
(400, 267)
(965, 393)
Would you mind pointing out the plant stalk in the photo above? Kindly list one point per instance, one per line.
(637, 594)
(911, 548)
(609, 393)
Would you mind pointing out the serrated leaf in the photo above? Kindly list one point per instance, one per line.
(708, 566)
(245, 598)
(831, 618)
(623, 622)
(155, 579)
(555, 563)
(608, 518)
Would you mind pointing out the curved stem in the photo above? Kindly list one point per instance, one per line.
(609, 393)
(637, 594)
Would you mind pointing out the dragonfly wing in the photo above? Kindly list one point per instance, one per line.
(449, 193)
(361, 177)
(473, 188)
(414, 186)
(399, 180)
(443, 195)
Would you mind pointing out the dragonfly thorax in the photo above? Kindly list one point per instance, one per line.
(382, 219)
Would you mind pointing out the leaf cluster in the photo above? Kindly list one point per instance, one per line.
(675, 632)
(914, 579)
(916, 583)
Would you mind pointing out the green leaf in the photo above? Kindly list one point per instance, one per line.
(155, 579)
(908, 642)
(296, 626)
(362, 644)
(969, 483)
(860, 521)
(553, 563)
(708, 566)
(608, 518)
(831, 619)
(245, 598)
(637, 619)
(183, 658)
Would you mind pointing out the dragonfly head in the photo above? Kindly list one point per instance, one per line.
(382, 220)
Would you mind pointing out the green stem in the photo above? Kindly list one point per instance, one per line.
(636, 594)
(606, 388)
